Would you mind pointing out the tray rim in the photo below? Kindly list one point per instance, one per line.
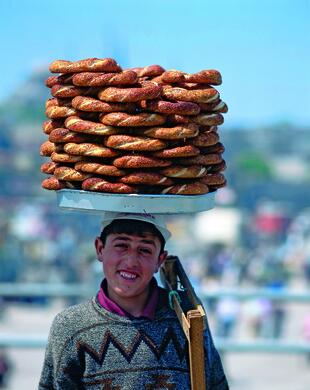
(97, 202)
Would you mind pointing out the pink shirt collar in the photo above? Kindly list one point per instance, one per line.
(108, 304)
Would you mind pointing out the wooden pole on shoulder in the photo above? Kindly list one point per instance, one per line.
(192, 323)
(196, 349)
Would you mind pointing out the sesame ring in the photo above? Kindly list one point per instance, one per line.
(127, 142)
(70, 91)
(91, 79)
(173, 76)
(63, 135)
(194, 188)
(101, 185)
(176, 119)
(181, 172)
(209, 119)
(216, 148)
(205, 95)
(165, 107)
(211, 76)
(58, 102)
(87, 65)
(216, 168)
(148, 71)
(201, 159)
(146, 178)
(48, 167)
(127, 120)
(47, 148)
(65, 158)
(52, 183)
(206, 139)
(178, 151)
(79, 125)
(51, 124)
(218, 106)
(61, 79)
(54, 112)
(100, 169)
(84, 103)
(171, 133)
(147, 90)
(135, 161)
(89, 149)
(70, 174)
(214, 179)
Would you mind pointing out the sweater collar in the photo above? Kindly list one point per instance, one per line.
(111, 306)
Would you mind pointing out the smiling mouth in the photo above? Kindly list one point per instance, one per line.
(128, 275)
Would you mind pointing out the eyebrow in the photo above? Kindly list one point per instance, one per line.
(144, 240)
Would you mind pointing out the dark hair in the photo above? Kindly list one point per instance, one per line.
(132, 226)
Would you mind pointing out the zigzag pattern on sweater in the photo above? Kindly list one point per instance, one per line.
(159, 381)
(129, 352)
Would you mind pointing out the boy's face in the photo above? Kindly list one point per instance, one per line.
(129, 263)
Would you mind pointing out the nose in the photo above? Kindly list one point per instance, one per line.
(131, 258)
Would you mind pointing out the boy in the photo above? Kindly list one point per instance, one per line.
(127, 337)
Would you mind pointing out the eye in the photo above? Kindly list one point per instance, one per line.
(146, 251)
(120, 245)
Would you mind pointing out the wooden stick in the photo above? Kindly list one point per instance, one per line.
(193, 323)
(196, 350)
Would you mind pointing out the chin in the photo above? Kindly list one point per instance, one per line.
(126, 293)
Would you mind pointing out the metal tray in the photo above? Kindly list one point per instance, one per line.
(96, 202)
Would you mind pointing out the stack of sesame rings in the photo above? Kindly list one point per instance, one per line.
(140, 130)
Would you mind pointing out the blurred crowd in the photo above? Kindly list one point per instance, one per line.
(273, 253)
(40, 244)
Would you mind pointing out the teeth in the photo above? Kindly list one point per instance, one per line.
(128, 275)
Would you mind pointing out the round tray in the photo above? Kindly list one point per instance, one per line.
(156, 204)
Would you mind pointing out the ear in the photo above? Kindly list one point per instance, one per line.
(99, 249)
(161, 258)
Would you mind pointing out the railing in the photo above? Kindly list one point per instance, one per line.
(12, 340)
(77, 290)
(44, 289)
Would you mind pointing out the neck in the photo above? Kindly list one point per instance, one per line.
(134, 306)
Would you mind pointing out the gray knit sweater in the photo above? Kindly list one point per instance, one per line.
(91, 348)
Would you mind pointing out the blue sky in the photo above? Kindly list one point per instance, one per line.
(261, 47)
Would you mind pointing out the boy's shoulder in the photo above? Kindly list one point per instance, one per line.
(75, 317)
(70, 322)
(76, 310)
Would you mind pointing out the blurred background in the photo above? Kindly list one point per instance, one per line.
(249, 258)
